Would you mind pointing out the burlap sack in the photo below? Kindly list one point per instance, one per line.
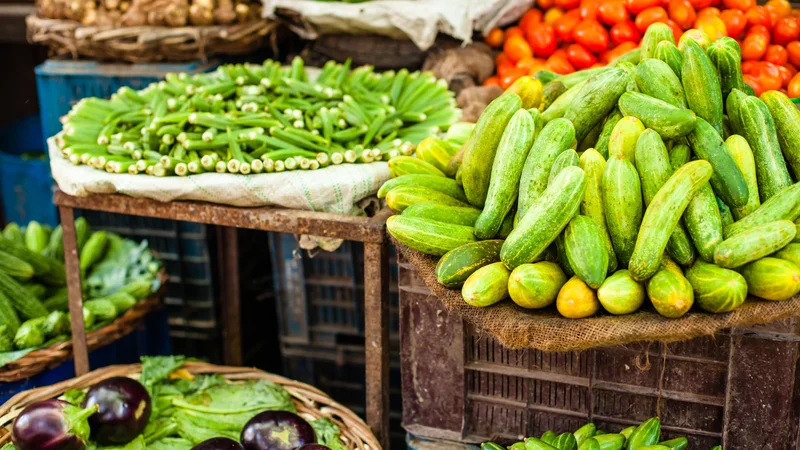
(546, 330)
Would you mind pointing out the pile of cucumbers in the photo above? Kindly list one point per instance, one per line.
(660, 176)
(646, 436)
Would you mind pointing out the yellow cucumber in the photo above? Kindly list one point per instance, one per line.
(487, 285)
(754, 243)
(441, 184)
(772, 278)
(576, 300)
(402, 197)
(622, 142)
(621, 294)
(404, 165)
(670, 293)
(536, 285)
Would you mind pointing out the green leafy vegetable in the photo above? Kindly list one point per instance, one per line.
(158, 368)
(328, 434)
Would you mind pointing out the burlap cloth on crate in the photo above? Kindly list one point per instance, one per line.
(546, 330)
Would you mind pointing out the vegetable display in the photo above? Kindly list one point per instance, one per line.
(258, 119)
(169, 408)
(562, 36)
(645, 436)
(117, 273)
(692, 199)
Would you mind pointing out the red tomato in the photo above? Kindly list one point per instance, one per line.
(592, 35)
(637, 6)
(758, 15)
(786, 30)
(515, 31)
(760, 30)
(682, 12)
(579, 57)
(768, 76)
(780, 8)
(618, 51)
(517, 48)
(567, 4)
(559, 63)
(793, 51)
(625, 32)
(793, 90)
(531, 17)
(504, 67)
(526, 63)
(543, 41)
(754, 47)
(776, 54)
(735, 22)
(650, 16)
(588, 9)
(713, 26)
(700, 4)
(742, 5)
(754, 83)
(511, 76)
(786, 75)
(492, 81)
(612, 12)
(500, 59)
(565, 26)
(552, 15)
(544, 4)
(677, 31)
(495, 38)
(709, 11)
(748, 66)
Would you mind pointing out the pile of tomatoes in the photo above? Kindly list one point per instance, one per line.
(568, 35)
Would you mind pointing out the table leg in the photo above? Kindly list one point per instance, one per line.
(231, 297)
(80, 350)
(376, 307)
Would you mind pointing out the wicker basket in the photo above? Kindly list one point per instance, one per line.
(148, 43)
(311, 403)
(42, 359)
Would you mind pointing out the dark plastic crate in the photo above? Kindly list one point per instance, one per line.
(459, 384)
(61, 83)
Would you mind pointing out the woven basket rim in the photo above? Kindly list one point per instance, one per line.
(42, 359)
(310, 401)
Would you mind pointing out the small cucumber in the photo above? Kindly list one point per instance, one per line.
(535, 286)
(701, 85)
(662, 216)
(538, 444)
(790, 253)
(402, 197)
(585, 249)
(732, 104)
(549, 437)
(487, 285)
(716, 290)
(404, 165)
(585, 432)
(668, 52)
(593, 166)
(624, 136)
(622, 203)
(648, 433)
(726, 56)
(595, 100)
(704, 222)
(437, 153)
(506, 170)
(557, 109)
(743, 156)
(554, 138)
(679, 443)
(545, 219)
(441, 184)
(455, 266)
(627, 432)
(669, 121)
(457, 215)
(670, 293)
(491, 446)
(754, 243)
(611, 441)
(727, 180)
(621, 294)
(605, 134)
(772, 279)
(567, 158)
(656, 79)
(759, 130)
(783, 206)
(550, 92)
(679, 155)
(482, 145)
(589, 444)
(429, 236)
(786, 117)
(655, 34)
(565, 441)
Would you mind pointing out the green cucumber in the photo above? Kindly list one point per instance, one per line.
(727, 180)
(585, 432)
(662, 216)
(487, 285)
(790, 253)
(656, 79)
(444, 185)
(701, 85)
(724, 213)
(726, 56)
(716, 290)
(783, 206)
(455, 266)
(402, 197)
(669, 121)
(620, 293)
(507, 225)
(679, 443)
(585, 249)
(704, 222)
(732, 104)
(565, 441)
(754, 243)
(670, 293)
(669, 53)
(538, 444)
(560, 105)
(404, 165)
(772, 278)
(786, 117)
(605, 134)
(482, 145)
(550, 92)
(743, 156)
(595, 100)
(648, 433)
(611, 441)
(679, 155)
(567, 158)
(652, 163)
(655, 34)
(545, 219)
(536, 285)
(589, 444)
(624, 136)
(457, 215)
(627, 432)
(491, 446)
(554, 138)
(622, 203)
(506, 170)
(429, 236)
(593, 165)
(549, 436)
(759, 130)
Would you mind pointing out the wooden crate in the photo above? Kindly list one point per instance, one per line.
(738, 387)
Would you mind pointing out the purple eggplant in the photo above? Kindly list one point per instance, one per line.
(219, 443)
(52, 425)
(314, 447)
(123, 410)
(277, 430)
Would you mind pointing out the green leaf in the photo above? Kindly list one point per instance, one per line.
(157, 368)
(328, 434)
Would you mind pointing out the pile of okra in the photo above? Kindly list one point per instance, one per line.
(249, 118)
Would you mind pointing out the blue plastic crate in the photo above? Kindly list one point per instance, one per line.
(151, 339)
(61, 83)
(25, 182)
